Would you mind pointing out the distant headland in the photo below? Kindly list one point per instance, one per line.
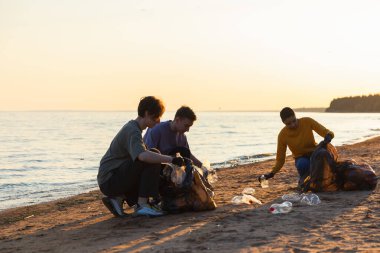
(370, 103)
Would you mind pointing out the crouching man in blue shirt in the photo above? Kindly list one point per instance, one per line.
(169, 136)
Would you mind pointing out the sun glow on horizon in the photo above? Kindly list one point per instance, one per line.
(210, 55)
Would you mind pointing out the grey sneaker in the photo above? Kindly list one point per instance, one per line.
(115, 205)
(148, 211)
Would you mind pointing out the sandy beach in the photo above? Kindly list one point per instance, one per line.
(343, 222)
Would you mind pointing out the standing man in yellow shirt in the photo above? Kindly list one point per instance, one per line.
(298, 136)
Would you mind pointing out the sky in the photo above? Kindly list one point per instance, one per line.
(208, 54)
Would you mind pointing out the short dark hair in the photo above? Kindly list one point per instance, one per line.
(154, 106)
(186, 112)
(286, 113)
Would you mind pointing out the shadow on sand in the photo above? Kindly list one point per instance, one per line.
(229, 228)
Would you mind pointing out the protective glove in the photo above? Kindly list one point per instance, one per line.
(266, 176)
(178, 161)
(269, 175)
(328, 138)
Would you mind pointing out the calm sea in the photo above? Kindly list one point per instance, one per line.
(49, 155)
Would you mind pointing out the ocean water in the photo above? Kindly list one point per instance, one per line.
(49, 155)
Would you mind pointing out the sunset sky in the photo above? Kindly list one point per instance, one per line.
(208, 54)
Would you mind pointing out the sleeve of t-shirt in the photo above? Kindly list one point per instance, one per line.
(135, 145)
(281, 154)
(321, 130)
(152, 138)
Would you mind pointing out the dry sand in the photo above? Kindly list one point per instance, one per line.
(343, 222)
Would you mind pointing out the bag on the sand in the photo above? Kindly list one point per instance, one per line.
(353, 176)
(192, 193)
(329, 174)
(322, 175)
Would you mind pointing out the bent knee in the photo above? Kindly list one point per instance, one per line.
(155, 150)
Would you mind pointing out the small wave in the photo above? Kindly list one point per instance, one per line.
(15, 156)
(46, 196)
(5, 186)
(230, 132)
(244, 145)
(375, 129)
(6, 175)
(226, 126)
(21, 169)
(241, 160)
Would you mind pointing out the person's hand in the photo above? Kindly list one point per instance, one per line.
(328, 138)
(266, 176)
(178, 161)
(269, 175)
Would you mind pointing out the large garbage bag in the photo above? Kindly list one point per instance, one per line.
(192, 192)
(322, 175)
(353, 176)
(328, 174)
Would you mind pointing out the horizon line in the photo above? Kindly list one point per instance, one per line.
(266, 110)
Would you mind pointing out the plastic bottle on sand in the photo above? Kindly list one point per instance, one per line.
(284, 207)
(310, 199)
(245, 199)
(293, 197)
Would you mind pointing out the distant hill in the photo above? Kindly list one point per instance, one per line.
(370, 103)
(310, 109)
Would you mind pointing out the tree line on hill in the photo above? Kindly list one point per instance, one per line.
(370, 103)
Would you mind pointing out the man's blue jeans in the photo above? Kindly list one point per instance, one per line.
(303, 166)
